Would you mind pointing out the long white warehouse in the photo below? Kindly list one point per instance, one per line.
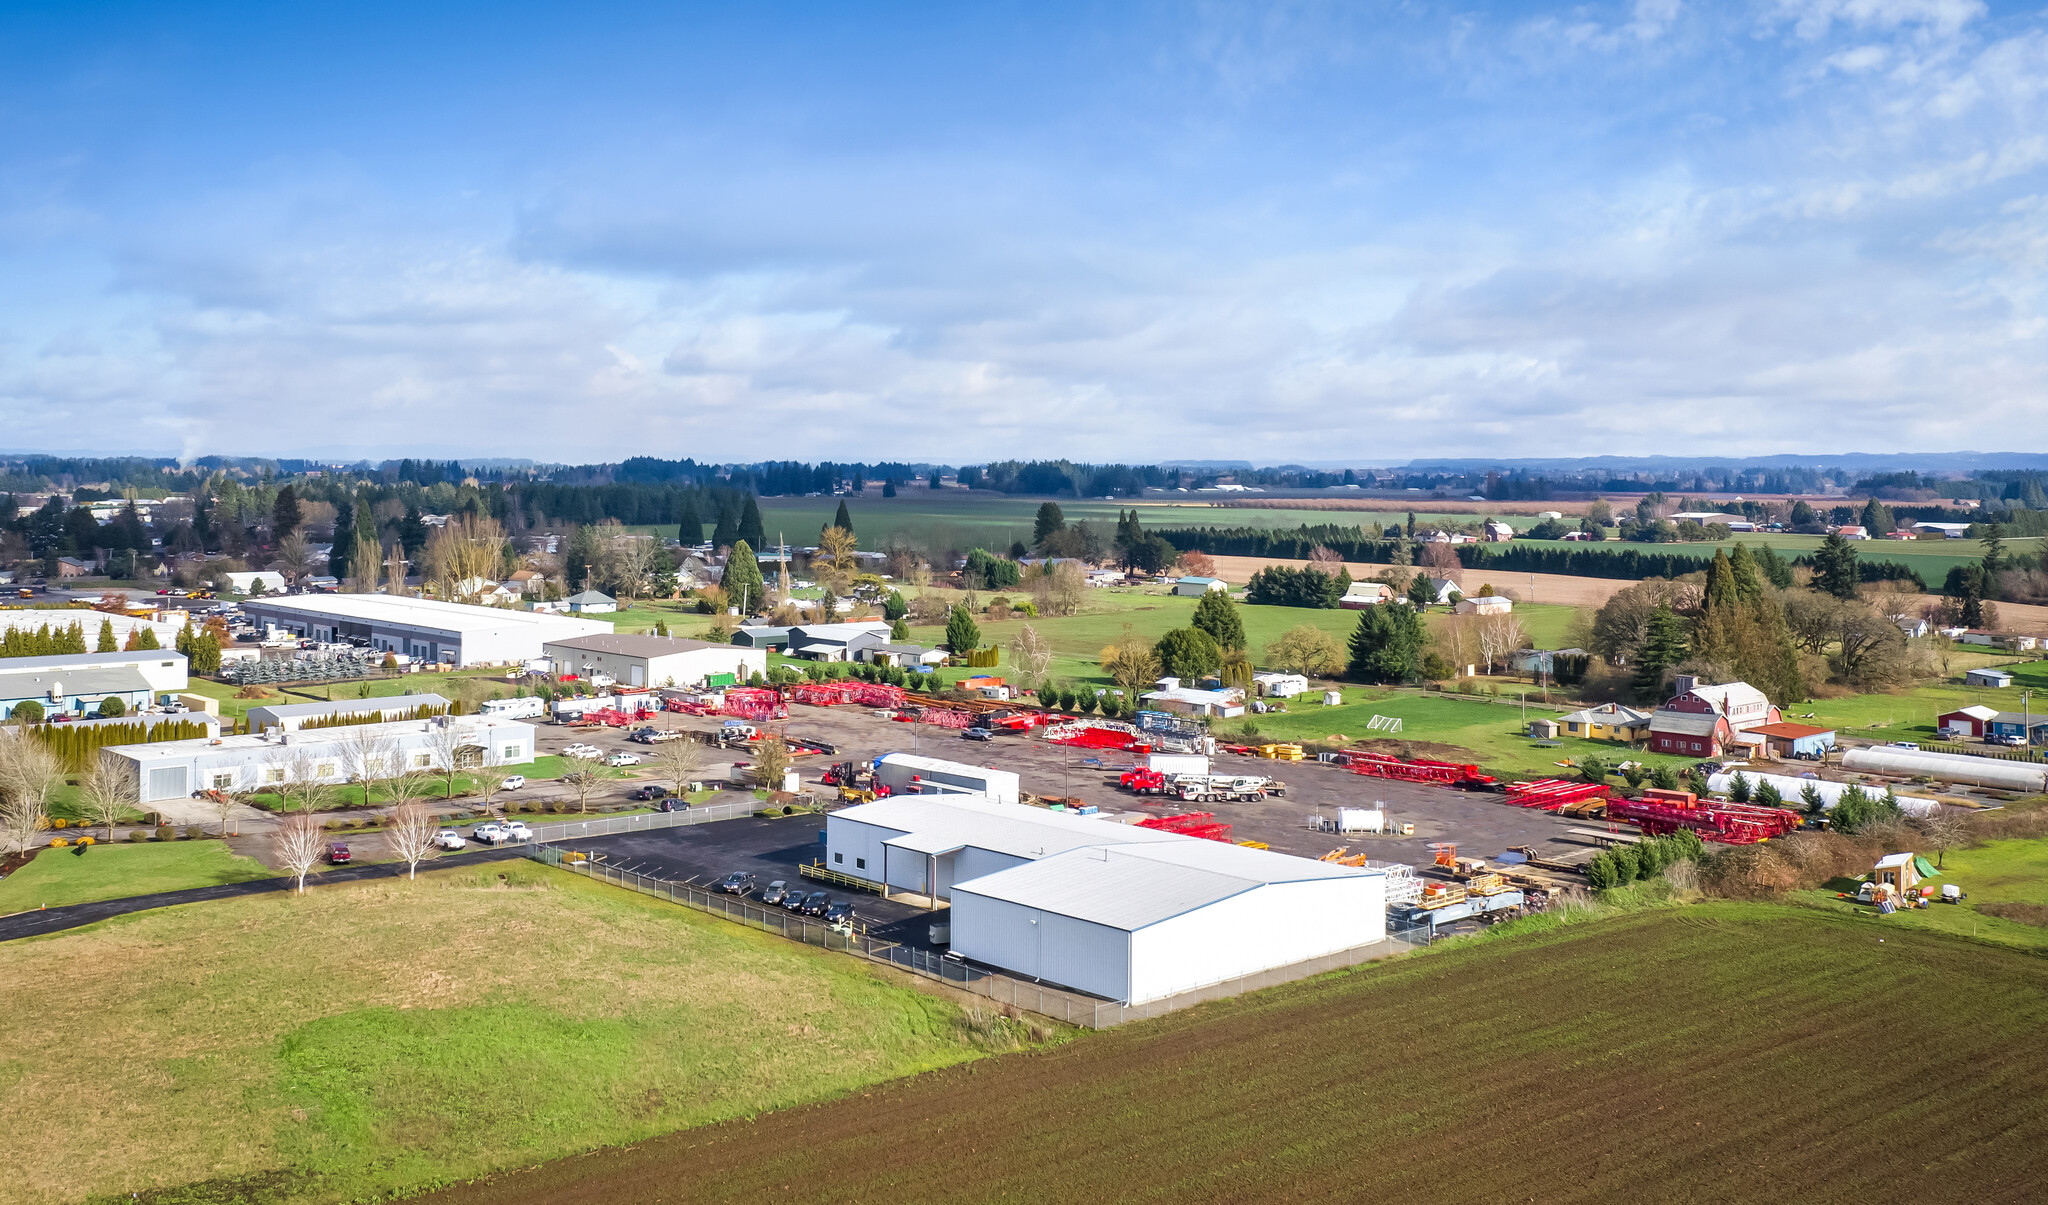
(176, 769)
(1126, 913)
(909, 774)
(423, 629)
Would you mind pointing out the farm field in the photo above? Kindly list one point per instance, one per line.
(109, 872)
(387, 1036)
(1723, 1052)
(1909, 714)
(1996, 872)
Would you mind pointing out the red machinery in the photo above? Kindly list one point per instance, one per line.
(754, 703)
(1190, 824)
(1442, 773)
(943, 717)
(1144, 781)
(1098, 736)
(831, 694)
(1551, 794)
(1660, 812)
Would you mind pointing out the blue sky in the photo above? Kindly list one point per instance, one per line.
(1118, 232)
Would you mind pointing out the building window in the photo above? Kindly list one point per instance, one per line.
(421, 761)
(860, 863)
(839, 858)
(328, 770)
(224, 780)
(513, 750)
(273, 776)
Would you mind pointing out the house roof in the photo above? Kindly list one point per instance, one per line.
(2029, 719)
(590, 596)
(1891, 861)
(1132, 886)
(1975, 712)
(1607, 713)
(633, 644)
(1684, 723)
(1790, 732)
(1989, 672)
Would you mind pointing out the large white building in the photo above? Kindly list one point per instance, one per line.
(423, 629)
(909, 774)
(59, 618)
(1126, 913)
(255, 761)
(637, 659)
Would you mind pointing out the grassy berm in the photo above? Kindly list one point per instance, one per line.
(388, 1036)
(1720, 1052)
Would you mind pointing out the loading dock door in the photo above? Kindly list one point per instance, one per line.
(167, 782)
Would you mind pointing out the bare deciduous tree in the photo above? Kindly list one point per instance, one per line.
(1498, 636)
(463, 556)
(680, 762)
(367, 756)
(582, 782)
(297, 844)
(29, 772)
(491, 775)
(1944, 829)
(1030, 657)
(107, 788)
(224, 805)
(771, 762)
(446, 742)
(409, 830)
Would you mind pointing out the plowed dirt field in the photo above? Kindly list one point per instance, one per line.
(1715, 1053)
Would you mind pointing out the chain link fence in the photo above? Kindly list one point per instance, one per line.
(606, 826)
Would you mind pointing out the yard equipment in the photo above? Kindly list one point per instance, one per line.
(1190, 824)
(1143, 781)
(1219, 788)
(1660, 812)
(1553, 794)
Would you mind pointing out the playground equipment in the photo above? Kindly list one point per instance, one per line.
(1389, 724)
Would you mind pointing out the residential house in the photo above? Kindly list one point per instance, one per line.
(1914, 627)
(1968, 721)
(71, 566)
(1541, 661)
(2008, 724)
(1997, 679)
(1196, 587)
(1485, 604)
(903, 656)
(1607, 722)
(1853, 531)
(1442, 588)
(1801, 742)
(1705, 721)
(591, 602)
(1360, 595)
(527, 581)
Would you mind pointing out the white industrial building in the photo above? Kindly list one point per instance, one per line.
(58, 619)
(256, 761)
(1126, 913)
(165, 671)
(291, 717)
(635, 659)
(423, 629)
(909, 774)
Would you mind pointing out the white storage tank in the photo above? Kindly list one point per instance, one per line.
(1361, 820)
(1954, 767)
(1792, 790)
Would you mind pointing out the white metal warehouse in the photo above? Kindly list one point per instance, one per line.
(164, 770)
(638, 659)
(1122, 912)
(423, 629)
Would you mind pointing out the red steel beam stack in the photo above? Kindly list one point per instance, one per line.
(1442, 773)
(876, 694)
(1550, 794)
(754, 703)
(1728, 823)
(1098, 736)
(1190, 824)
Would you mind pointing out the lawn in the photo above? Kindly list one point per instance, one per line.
(1997, 872)
(374, 1038)
(106, 872)
(1723, 1052)
(1910, 714)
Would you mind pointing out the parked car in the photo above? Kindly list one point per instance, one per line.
(448, 838)
(337, 853)
(489, 832)
(583, 751)
(776, 893)
(841, 913)
(674, 805)
(816, 902)
(739, 882)
(649, 793)
(976, 734)
(794, 901)
(516, 830)
(2015, 741)
(622, 759)
(513, 782)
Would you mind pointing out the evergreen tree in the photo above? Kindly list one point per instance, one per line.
(1749, 580)
(690, 525)
(1217, 615)
(727, 531)
(1663, 647)
(1877, 519)
(1994, 559)
(107, 644)
(1049, 520)
(1421, 591)
(843, 520)
(344, 546)
(963, 635)
(742, 581)
(1386, 646)
(412, 532)
(1834, 567)
(750, 524)
(893, 606)
(145, 639)
(1189, 654)
(899, 631)
(284, 513)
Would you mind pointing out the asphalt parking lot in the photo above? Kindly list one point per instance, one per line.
(1478, 822)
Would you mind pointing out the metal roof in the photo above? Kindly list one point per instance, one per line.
(934, 823)
(1133, 886)
(293, 711)
(1607, 713)
(83, 680)
(634, 644)
(1686, 723)
(420, 613)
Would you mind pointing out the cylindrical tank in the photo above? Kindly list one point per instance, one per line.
(1361, 820)
(1790, 789)
(1955, 767)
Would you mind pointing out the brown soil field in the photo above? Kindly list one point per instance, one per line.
(1717, 1052)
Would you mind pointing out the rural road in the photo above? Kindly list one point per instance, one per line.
(53, 920)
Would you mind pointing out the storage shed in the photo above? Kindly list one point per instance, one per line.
(1994, 678)
(1966, 721)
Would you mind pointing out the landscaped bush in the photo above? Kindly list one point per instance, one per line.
(193, 832)
(166, 833)
(136, 834)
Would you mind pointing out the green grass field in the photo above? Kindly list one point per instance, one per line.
(1723, 1052)
(374, 1038)
(1997, 872)
(107, 872)
(1909, 714)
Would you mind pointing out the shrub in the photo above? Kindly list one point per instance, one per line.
(1592, 769)
(136, 834)
(1600, 872)
(193, 832)
(1627, 865)
(1738, 788)
(1768, 796)
(28, 711)
(166, 833)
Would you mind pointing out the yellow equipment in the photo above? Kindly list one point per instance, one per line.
(1255, 845)
(1335, 854)
(1288, 752)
